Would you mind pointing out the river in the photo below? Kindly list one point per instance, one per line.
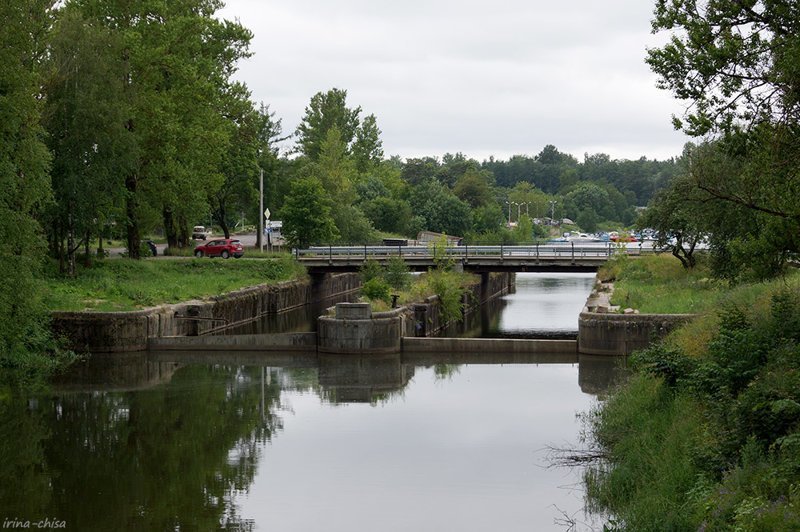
(297, 443)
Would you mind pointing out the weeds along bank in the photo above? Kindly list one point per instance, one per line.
(706, 434)
(125, 285)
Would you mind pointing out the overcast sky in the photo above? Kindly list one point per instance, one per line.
(482, 78)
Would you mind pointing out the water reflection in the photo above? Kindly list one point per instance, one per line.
(233, 446)
(543, 302)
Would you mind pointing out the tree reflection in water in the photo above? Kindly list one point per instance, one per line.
(173, 447)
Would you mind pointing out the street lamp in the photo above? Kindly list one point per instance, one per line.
(519, 209)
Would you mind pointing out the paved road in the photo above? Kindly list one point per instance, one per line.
(247, 240)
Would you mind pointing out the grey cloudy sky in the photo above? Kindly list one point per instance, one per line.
(482, 78)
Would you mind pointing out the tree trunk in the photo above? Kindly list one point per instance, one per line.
(184, 236)
(70, 248)
(169, 228)
(132, 220)
(87, 257)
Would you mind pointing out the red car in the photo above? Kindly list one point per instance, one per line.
(224, 248)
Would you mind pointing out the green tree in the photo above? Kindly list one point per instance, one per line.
(488, 218)
(367, 146)
(440, 209)
(238, 165)
(737, 65)
(734, 62)
(675, 216)
(335, 169)
(536, 201)
(176, 61)
(307, 214)
(24, 165)
(326, 110)
(91, 147)
(473, 187)
(389, 214)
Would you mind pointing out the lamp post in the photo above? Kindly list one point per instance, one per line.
(261, 210)
(519, 209)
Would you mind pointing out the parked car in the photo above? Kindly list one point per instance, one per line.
(225, 248)
(199, 232)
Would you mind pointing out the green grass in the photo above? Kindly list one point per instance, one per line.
(706, 433)
(650, 434)
(658, 284)
(123, 284)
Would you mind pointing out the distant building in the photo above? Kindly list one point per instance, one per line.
(425, 237)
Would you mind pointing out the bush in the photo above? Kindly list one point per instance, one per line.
(396, 273)
(370, 270)
(376, 289)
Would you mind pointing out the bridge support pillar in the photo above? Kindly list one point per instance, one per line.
(484, 287)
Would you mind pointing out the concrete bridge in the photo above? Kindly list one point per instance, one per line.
(550, 257)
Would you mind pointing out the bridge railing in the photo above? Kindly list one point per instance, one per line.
(548, 250)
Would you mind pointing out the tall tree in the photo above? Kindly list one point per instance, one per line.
(474, 188)
(307, 214)
(177, 59)
(239, 164)
(367, 146)
(325, 111)
(91, 148)
(24, 162)
(737, 64)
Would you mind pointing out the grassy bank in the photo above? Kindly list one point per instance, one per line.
(658, 284)
(706, 435)
(122, 284)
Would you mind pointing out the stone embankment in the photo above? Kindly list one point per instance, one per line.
(603, 330)
(99, 332)
(354, 328)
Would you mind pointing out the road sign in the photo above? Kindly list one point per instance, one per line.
(266, 214)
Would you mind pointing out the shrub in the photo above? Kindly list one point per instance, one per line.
(376, 289)
(370, 270)
(396, 273)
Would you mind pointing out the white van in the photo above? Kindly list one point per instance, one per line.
(199, 232)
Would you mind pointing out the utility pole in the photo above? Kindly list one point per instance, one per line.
(261, 210)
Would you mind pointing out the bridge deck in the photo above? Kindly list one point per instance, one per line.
(533, 258)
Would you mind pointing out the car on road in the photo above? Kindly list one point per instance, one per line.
(199, 232)
(224, 247)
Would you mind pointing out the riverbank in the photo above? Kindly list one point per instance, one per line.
(126, 285)
(706, 434)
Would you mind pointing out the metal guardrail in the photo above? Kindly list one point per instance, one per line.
(548, 250)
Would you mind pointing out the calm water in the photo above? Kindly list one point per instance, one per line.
(170, 442)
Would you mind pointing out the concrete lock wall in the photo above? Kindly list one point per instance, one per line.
(356, 329)
(621, 334)
(99, 332)
(602, 330)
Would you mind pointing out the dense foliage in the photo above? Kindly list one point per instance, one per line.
(24, 182)
(737, 67)
(709, 439)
